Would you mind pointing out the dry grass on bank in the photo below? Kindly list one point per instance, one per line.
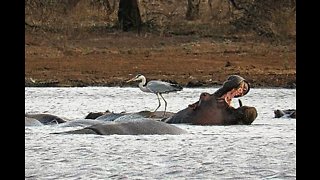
(82, 45)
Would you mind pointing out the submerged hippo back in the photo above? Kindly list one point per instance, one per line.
(134, 127)
(46, 118)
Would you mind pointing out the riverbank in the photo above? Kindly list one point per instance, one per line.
(192, 61)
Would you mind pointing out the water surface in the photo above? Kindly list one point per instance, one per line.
(264, 150)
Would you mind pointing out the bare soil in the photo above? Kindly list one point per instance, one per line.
(111, 58)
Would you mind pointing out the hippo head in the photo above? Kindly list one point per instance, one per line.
(210, 110)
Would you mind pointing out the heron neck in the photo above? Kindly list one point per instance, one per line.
(142, 85)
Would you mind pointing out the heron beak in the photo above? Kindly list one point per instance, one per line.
(133, 79)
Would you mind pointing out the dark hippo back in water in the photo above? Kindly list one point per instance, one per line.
(141, 126)
(46, 119)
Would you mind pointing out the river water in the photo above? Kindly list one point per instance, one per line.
(266, 149)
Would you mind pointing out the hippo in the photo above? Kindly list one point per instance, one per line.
(80, 123)
(142, 126)
(210, 110)
(32, 122)
(215, 109)
(143, 122)
(111, 116)
(291, 113)
(46, 119)
(108, 117)
(94, 115)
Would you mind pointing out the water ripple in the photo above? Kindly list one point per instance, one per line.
(264, 150)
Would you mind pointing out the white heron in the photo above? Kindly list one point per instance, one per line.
(156, 87)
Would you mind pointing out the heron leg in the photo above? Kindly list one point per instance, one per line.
(165, 105)
(159, 103)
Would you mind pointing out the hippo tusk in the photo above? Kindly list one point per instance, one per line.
(240, 103)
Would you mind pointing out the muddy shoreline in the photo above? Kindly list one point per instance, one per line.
(191, 61)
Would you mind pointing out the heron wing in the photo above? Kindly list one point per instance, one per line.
(162, 87)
